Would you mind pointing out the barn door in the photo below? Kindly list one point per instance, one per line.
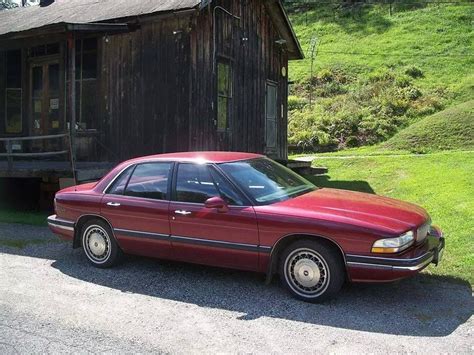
(271, 117)
(45, 100)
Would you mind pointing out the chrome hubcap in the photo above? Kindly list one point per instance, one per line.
(306, 272)
(96, 244)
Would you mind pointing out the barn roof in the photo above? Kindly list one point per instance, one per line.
(84, 11)
(80, 12)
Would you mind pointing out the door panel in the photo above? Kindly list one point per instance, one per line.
(137, 207)
(140, 225)
(206, 236)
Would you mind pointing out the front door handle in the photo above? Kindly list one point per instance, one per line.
(182, 213)
(113, 204)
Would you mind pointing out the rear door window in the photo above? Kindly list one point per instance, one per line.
(118, 187)
(149, 180)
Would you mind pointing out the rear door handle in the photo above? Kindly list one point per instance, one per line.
(182, 213)
(113, 204)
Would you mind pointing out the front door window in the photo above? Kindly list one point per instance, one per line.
(194, 184)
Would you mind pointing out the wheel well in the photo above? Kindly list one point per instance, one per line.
(283, 243)
(78, 227)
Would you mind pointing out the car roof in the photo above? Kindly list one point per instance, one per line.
(200, 157)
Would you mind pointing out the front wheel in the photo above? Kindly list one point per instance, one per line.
(312, 271)
(99, 245)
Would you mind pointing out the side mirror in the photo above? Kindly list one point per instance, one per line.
(217, 203)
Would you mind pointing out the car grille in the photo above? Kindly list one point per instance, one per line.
(422, 232)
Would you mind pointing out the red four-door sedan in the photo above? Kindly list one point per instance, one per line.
(245, 211)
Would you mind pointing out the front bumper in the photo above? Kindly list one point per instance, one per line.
(365, 268)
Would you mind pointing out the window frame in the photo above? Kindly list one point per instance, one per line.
(6, 88)
(5, 128)
(222, 60)
(80, 80)
(238, 191)
(274, 84)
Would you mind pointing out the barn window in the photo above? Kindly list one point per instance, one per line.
(13, 93)
(45, 49)
(271, 112)
(224, 94)
(86, 83)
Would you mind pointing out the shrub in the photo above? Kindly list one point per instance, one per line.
(296, 103)
(402, 81)
(381, 74)
(325, 76)
(414, 72)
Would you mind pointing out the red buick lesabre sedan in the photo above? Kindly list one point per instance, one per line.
(245, 211)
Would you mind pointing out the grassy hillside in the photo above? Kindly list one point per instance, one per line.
(376, 73)
(442, 183)
(450, 129)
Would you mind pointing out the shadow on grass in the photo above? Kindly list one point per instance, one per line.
(426, 305)
(353, 185)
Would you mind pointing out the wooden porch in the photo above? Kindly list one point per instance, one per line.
(85, 171)
(44, 159)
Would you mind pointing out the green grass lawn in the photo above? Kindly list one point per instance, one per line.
(450, 129)
(437, 39)
(21, 244)
(441, 183)
(23, 217)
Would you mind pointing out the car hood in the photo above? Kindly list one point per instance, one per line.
(356, 208)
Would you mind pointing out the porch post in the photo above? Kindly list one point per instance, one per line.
(72, 97)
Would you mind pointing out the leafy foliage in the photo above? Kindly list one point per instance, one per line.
(352, 111)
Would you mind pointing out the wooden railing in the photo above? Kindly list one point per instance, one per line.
(9, 148)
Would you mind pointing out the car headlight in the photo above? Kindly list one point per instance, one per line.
(394, 245)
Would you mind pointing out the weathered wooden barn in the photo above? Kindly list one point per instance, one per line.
(86, 83)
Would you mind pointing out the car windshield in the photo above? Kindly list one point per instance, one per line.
(266, 181)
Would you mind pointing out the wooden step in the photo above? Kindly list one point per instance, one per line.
(298, 164)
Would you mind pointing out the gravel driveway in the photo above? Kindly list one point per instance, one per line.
(52, 301)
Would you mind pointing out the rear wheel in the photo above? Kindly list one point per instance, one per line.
(312, 271)
(99, 245)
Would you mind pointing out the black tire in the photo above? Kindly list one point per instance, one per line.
(99, 244)
(312, 271)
